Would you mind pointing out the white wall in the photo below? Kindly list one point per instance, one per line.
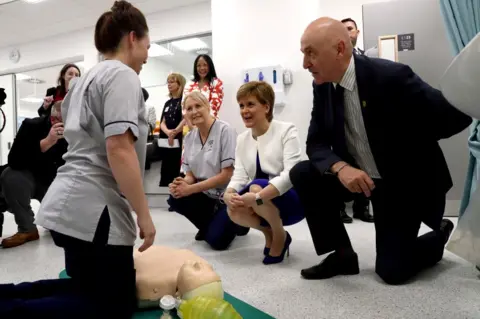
(250, 41)
(341, 9)
(179, 22)
(276, 41)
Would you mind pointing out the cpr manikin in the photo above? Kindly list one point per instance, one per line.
(163, 271)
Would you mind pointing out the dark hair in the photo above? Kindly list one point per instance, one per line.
(262, 91)
(113, 25)
(212, 74)
(350, 20)
(61, 80)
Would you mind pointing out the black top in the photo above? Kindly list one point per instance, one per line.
(260, 174)
(172, 113)
(27, 155)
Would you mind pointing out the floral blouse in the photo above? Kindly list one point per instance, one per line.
(213, 93)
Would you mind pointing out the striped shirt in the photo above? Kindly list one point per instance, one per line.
(355, 133)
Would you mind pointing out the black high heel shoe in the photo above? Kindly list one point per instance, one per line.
(269, 260)
(266, 251)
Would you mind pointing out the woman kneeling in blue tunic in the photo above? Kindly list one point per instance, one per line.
(208, 162)
(260, 193)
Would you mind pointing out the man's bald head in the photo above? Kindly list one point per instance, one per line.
(327, 49)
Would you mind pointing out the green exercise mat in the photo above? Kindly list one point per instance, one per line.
(244, 309)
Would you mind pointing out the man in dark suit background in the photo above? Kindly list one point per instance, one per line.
(33, 160)
(360, 205)
(353, 33)
(374, 130)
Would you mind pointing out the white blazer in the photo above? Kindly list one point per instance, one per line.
(460, 83)
(278, 150)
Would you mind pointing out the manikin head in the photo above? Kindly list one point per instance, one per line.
(327, 50)
(198, 279)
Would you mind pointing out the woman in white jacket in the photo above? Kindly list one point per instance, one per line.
(260, 193)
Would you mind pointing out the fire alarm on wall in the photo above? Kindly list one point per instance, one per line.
(14, 55)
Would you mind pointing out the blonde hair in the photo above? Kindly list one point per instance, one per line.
(197, 96)
(262, 91)
(56, 110)
(180, 79)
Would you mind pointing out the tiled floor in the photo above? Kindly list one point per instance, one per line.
(451, 290)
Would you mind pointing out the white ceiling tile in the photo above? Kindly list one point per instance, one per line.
(22, 22)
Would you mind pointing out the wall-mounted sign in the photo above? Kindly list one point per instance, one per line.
(406, 42)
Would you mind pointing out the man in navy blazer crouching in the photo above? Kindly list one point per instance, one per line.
(374, 130)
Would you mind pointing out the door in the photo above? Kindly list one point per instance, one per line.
(7, 82)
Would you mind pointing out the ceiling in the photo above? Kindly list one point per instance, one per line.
(180, 61)
(22, 22)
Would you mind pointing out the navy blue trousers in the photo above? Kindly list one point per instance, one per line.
(102, 283)
(210, 217)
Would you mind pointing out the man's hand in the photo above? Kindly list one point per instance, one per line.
(356, 181)
(56, 133)
(147, 231)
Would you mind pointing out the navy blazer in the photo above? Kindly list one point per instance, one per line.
(404, 118)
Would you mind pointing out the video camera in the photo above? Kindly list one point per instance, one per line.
(3, 97)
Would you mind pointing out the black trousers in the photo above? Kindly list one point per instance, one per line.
(17, 189)
(171, 163)
(102, 283)
(210, 217)
(401, 254)
(359, 203)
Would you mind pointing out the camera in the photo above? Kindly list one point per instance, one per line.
(3, 120)
(3, 96)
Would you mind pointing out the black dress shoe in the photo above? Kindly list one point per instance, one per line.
(446, 227)
(332, 266)
(200, 235)
(363, 214)
(345, 218)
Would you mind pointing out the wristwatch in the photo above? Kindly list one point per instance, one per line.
(258, 199)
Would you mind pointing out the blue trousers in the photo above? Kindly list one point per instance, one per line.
(102, 283)
(288, 204)
(210, 217)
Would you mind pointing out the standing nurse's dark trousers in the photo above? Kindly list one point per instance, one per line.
(401, 254)
(210, 217)
(102, 283)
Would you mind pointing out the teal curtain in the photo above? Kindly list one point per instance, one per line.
(462, 20)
